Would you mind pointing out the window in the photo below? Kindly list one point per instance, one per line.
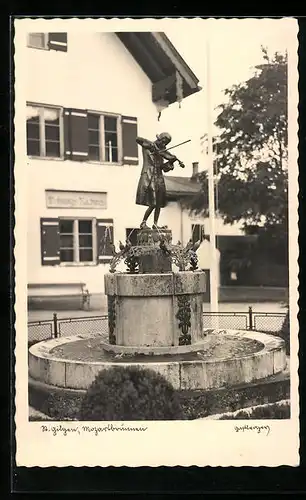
(103, 141)
(44, 131)
(76, 135)
(198, 232)
(48, 41)
(38, 40)
(76, 240)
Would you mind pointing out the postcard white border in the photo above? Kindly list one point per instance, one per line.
(200, 442)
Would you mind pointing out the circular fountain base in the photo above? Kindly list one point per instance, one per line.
(257, 356)
(153, 350)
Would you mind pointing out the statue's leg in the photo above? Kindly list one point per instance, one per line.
(146, 216)
(156, 215)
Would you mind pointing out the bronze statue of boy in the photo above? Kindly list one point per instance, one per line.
(151, 191)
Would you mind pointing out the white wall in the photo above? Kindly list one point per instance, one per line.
(96, 73)
(220, 227)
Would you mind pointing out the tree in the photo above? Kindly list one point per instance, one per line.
(251, 154)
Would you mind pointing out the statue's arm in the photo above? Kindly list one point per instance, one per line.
(167, 166)
(145, 143)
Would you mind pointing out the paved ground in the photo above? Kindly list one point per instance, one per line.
(100, 325)
(44, 315)
(271, 307)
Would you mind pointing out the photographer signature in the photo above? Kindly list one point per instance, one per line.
(257, 428)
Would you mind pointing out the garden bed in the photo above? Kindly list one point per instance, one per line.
(64, 404)
(277, 410)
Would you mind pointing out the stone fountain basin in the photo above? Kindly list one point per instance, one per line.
(268, 359)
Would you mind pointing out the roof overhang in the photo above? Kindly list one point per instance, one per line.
(178, 188)
(163, 65)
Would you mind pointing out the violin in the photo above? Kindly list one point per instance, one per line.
(166, 155)
(163, 153)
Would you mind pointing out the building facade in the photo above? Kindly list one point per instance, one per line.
(88, 97)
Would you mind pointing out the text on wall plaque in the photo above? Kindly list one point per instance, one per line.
(75, 199)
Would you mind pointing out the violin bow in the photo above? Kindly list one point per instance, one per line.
(176, 146)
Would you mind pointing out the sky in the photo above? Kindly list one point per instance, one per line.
(235, 48)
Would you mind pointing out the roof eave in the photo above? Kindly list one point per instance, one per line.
(180, 64)
(162, 63)
(176, 195)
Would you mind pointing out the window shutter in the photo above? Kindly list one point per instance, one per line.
(76, 134)
(58, 41)
(129, 144)
(105, 239)
(50, 242)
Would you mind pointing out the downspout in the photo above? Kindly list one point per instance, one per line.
(182, 224)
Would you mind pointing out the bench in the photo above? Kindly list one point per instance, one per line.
(43, 291)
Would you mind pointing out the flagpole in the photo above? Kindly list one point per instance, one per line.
(211, 189)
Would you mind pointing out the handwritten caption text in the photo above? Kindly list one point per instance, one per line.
(65, 430)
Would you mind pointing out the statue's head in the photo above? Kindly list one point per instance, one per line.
(163, 139)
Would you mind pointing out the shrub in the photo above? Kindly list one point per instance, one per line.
(284, 332)
(273, 411)
(57, 403)
(32, 342)
(130, 393)
(240, 415)
(37, 416)
(62, 407)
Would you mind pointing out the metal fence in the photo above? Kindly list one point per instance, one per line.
(92, 324)
(267, 322)
(248, 320)
(59, 327)
(228, 320)
(40, 330)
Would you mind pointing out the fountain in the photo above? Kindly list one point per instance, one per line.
(155, 320)
(152, 310)
(155, 315)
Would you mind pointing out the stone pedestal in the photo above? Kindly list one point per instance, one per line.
(156, 261)
(155, 309)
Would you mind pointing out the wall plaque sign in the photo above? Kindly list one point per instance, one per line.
(75, 199)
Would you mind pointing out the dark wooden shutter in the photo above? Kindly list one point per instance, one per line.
(76, 134)
(105, 239)
(129, 144)
(58, 41)
(50, 242)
